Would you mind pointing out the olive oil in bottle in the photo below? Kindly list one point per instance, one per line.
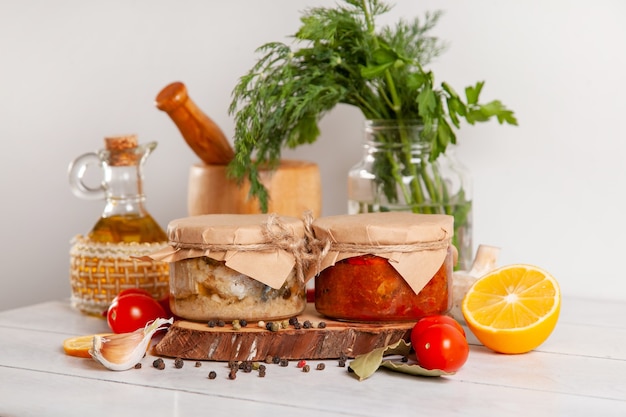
(104, 262)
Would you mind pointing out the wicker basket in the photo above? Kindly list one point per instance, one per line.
(99, 271)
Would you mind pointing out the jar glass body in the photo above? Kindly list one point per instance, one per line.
(368, 289)
(397, 174)
(103, 263)
(204, 289)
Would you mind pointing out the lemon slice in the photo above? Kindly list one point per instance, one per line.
(79, 346)
(513, 309)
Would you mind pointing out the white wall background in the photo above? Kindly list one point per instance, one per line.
(549, 192)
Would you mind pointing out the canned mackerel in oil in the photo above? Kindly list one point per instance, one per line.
(236, 266)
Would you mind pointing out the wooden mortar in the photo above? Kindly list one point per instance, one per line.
(294, 188)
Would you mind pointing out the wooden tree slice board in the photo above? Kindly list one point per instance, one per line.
(198, 341)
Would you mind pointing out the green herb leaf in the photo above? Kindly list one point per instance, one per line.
(506, 116)
(384, 55)
(444, 133)
(374, 71)
(426, 100)
(472, 93)
(367, 364)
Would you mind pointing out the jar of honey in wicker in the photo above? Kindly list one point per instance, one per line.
(104, 261)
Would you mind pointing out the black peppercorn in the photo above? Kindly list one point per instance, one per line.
(321, 325)
(284, 362)
(158, 363)
(320, 366)
(212, 375)
(306, 368)
(221, 323)
(276, 360)
(307, 324)
(211, 323)
(138, 365)
(243, 323)
(178, 363)
(293, 320)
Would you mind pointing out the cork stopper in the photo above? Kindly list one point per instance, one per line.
(121, 149)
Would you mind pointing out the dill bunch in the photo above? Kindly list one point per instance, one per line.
(340, 56)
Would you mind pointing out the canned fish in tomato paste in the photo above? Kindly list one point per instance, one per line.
(381, 267)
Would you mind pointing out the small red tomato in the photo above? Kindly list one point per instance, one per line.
(441, 346)
(133, 291)
(133, 311)
(428, 321)
(126, 292)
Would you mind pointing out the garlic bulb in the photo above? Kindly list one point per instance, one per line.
(119, 352)
(485, 261)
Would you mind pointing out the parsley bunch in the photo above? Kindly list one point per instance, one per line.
(339, 56)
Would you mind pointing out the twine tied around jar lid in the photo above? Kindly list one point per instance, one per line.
(264, 247)
(278, 236)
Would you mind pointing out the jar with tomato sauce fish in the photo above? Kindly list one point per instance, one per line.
(382, 267)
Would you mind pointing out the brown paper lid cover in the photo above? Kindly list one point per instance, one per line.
(257, 245)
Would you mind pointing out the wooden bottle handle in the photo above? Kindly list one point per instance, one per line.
(201, 133)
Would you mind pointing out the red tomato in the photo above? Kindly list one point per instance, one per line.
(428, 321)
(126, 292)
(132, 291)
(133, 311)
(441, 346)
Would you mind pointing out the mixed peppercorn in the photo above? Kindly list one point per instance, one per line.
(272, 326)
(235, 366)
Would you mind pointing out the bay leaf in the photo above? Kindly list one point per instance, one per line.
(366, 364)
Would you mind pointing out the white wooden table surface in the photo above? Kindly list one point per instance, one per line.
(579, 371)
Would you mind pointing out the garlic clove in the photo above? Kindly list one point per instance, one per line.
(484, 262)
(119, 352)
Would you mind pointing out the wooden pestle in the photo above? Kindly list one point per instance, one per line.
(201, 133)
